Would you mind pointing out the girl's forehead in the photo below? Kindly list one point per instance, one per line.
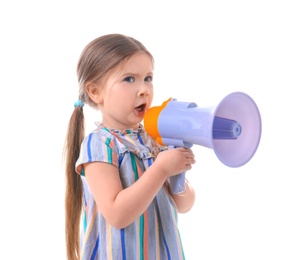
(136, 60)
(131, 64)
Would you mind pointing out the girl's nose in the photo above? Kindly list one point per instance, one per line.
(144, 90)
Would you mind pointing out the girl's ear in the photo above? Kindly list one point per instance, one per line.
(93, 92)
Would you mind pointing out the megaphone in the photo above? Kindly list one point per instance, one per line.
(232, 128)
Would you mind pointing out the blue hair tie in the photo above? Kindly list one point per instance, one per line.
(79, 103)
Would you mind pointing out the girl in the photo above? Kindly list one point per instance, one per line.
(117, 192)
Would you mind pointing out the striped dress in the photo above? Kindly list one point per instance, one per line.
(152, 236)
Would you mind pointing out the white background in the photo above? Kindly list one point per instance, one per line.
(204, 50)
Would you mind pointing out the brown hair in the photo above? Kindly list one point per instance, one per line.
(98, 59)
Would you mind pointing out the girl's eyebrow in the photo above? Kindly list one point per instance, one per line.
(135, 74)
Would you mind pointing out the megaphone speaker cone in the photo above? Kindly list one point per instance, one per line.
(242, 109)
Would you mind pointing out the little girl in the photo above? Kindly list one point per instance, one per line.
(119, 204)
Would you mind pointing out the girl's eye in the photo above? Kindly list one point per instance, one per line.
(149, 79)
(129, 79)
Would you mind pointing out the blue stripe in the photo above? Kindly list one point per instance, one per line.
(164, 239)
(89, 148)
(141, 142)
(167, 248)
(140, 139)
(150, 161)
(120, 159)
(95, 249)
(122, 244)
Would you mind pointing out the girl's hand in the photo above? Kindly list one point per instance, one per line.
(175, 161)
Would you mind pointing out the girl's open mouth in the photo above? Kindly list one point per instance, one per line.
(141, 108)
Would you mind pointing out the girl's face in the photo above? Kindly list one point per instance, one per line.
(128, 93)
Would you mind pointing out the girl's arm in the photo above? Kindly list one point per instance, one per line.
(185, 200)
(121, 206)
